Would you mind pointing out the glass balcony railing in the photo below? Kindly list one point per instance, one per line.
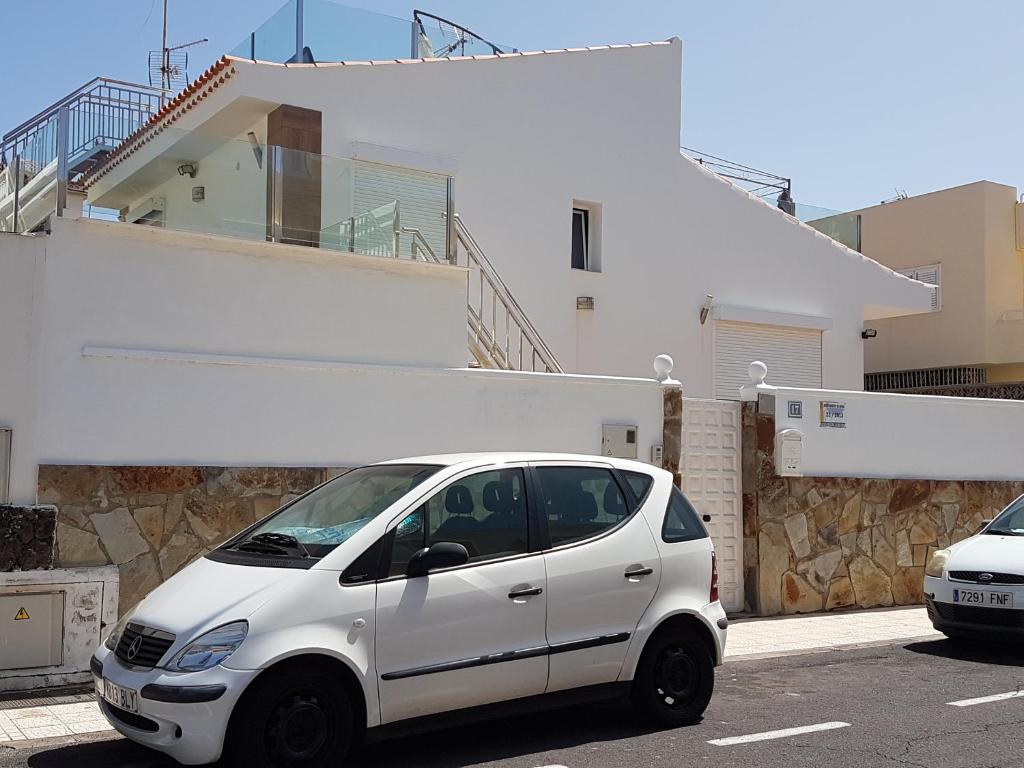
(843, 227)
(324, 30)
(240, 189)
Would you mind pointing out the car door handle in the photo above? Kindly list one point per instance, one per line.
(635, 573)
(526, 591)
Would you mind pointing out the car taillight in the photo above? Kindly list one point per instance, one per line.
(714, 578)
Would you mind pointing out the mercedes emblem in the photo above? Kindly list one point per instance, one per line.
(133, 649)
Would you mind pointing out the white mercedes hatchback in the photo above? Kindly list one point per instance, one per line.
(405, 594)
(976, 587)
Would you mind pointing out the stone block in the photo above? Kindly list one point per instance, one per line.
(181, 548)
(883, 552)
(135, 480)
(798, 596)
(173, 511)
(120, 535)
(849, 518)
(76, 547)
(796, 530)
(151, 522)
(924, 530)
(264, 506)
(774, 553)
(848, 541)
(878, 491)
(871, 586)
(908, 586)
(947, 492)
(840, 594)
(27, 537)
(904, 553)
(909, 494)
(138, 578)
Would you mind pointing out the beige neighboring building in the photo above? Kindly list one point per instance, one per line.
(969, 240)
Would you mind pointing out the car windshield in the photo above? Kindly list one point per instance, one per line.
(316, 523)
(1010, 521)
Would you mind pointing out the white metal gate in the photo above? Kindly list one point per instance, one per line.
(711, 481)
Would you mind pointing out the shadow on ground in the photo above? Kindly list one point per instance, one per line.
(1005, 654)
(467, 745)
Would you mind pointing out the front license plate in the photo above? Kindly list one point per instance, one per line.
(984, 599)
(123, 698)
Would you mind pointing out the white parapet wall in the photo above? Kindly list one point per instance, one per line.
(139, 346)
(893, 436)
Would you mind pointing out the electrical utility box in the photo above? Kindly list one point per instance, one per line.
(31, 629)
(618, 440)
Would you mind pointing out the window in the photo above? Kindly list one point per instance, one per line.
(586, 236)
(485, 513)
(640, 483)
(580, 502)
(932, 275)
(330, 514)
(580, 238)
(682, 523)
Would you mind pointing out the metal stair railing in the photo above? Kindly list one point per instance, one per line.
(500, 333)
(78, 130)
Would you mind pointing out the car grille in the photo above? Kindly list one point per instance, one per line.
(993, 617)
(997, 578)
(142, 647)
(130, 718)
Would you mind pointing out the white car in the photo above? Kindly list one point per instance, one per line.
(976, 587)
(407, 590)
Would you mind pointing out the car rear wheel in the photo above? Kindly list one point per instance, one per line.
(292, 718)
(675, 678)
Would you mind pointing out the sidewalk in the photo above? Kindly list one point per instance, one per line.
(816, 633)
(70, 716)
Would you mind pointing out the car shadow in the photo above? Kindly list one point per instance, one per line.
(1007, 654)
(455, 747)
(506, 738)
(99, 754)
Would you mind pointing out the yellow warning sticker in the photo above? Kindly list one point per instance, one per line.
(21, 615)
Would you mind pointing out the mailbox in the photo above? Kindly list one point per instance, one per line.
(789, 453)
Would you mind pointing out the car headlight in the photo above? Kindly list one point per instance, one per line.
(210, 649)
(937, 565)
(114, 635)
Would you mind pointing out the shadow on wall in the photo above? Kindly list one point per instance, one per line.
(152, 521)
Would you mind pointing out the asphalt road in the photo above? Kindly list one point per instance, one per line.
(885, 706)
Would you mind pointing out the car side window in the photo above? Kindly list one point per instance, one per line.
(682, 523)
(485, 513)
(640, 484)
(580, 502)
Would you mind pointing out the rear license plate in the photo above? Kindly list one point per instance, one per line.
(984, 599)
(123, 698)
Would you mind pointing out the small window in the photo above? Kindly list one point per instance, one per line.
(932, 274)
(586, 236)
(639, 483)
(485, 513)
(580, 238)
(682, 523)
(580, 502)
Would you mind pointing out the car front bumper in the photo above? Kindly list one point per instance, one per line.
(952, 618)
(191, 732)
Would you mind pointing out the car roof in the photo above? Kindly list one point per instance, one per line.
(488, 458)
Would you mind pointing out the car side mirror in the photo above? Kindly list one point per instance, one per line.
(444, 554)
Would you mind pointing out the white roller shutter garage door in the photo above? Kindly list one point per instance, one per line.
(793, 356)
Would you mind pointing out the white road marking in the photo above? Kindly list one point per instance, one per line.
(987, 699)
(733, 740)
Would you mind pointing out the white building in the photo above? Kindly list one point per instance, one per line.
(528, 139)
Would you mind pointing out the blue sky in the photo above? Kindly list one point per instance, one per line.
(850, 99)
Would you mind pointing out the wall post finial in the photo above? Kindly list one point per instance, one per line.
(758, 372)
(663, 365)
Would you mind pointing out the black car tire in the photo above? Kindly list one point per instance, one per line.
(292, 717)
(675, 678)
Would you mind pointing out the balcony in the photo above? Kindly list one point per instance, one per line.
(195, 182)
(322, 30)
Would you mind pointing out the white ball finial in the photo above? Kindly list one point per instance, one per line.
(757, 372)
(663, 365)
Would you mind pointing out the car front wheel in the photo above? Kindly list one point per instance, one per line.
(292, 718)
(675, 678)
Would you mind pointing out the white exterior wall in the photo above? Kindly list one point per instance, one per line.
(157, 347)
(907, 436)
(534, 133)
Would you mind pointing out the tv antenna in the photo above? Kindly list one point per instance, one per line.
(169, 65)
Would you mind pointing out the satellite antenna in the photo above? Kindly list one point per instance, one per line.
(169, 65)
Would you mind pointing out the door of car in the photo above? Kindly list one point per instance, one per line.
(472, 634)
(603, 570)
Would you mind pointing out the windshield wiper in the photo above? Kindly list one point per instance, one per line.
(1004, 532)
(273, 544)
